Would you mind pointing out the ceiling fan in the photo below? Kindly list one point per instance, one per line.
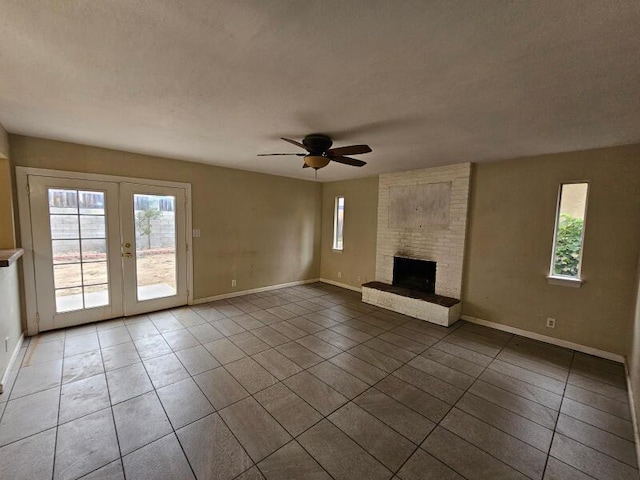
(319, 152)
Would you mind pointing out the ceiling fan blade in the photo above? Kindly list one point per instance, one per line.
(346, 160)
(293, 142)
(271, 154)
(350, 150)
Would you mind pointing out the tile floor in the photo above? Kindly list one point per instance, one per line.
(309, 383)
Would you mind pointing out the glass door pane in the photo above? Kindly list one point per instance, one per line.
(155, 245)
(79, 247)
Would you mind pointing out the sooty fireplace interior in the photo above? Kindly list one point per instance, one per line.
(414, 274)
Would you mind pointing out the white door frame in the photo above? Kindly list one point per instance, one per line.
(24, 212)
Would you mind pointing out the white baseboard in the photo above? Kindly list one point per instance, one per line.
(632, 405)
(253, 290)
(544, 338)
(343, 285)
(12, 360)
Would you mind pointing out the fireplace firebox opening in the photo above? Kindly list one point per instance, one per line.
(414, 274)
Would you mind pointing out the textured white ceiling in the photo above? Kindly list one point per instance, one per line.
(423, 82)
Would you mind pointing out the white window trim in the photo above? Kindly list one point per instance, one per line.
(335, 225)
(564, 280)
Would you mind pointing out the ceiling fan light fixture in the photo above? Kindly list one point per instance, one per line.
(316, 161)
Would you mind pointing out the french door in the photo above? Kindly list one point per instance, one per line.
(104, 249)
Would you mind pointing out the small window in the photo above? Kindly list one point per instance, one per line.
(566, 260)
(338, 223)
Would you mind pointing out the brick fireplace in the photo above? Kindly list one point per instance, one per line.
(422, 215)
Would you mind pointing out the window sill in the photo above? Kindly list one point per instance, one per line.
(335, 250)
(565, 281)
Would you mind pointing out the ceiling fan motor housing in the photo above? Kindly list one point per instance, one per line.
(317, 143)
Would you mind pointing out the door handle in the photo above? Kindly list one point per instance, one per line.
(127, 254)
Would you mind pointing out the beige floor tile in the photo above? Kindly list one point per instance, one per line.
(81, 344)
(467, 459)
(249, 343)
(526, 430)
(205, 333)
(184, 403)
(383, 443)
(220, 387)
(315, 392)
(113, 336)
(422, 466)
(83, 397)
(37, 377)
(128, 382)
(256, 430)
(212, 450)
(277, 364)
(358, 368)
(401, 418)
(160, 460)
(224, 350)
(340, 455)
(598, 439)
(293, 413)
(112, 471)
(430, 384)
(343, 382)
(375, 358)
(508, 449)
(30, 458)
(291, 462)
(299, 355)
(197, 359)
(180, 339)
(140, 421)
(250, 374)
(165, 370)
(85, 444)
(40, 351)
(25, 416)
(117, 356)
(589, 460)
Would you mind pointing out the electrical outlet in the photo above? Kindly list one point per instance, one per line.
(196, 233)
(551, 322)
(339, 274)
(358, 277)
(233, 282)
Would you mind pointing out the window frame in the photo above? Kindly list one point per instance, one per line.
(565, 280)
(334, 243)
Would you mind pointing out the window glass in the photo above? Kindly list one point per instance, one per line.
(338, 224)
(77, 221)
(156, 253)
(569, 232)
